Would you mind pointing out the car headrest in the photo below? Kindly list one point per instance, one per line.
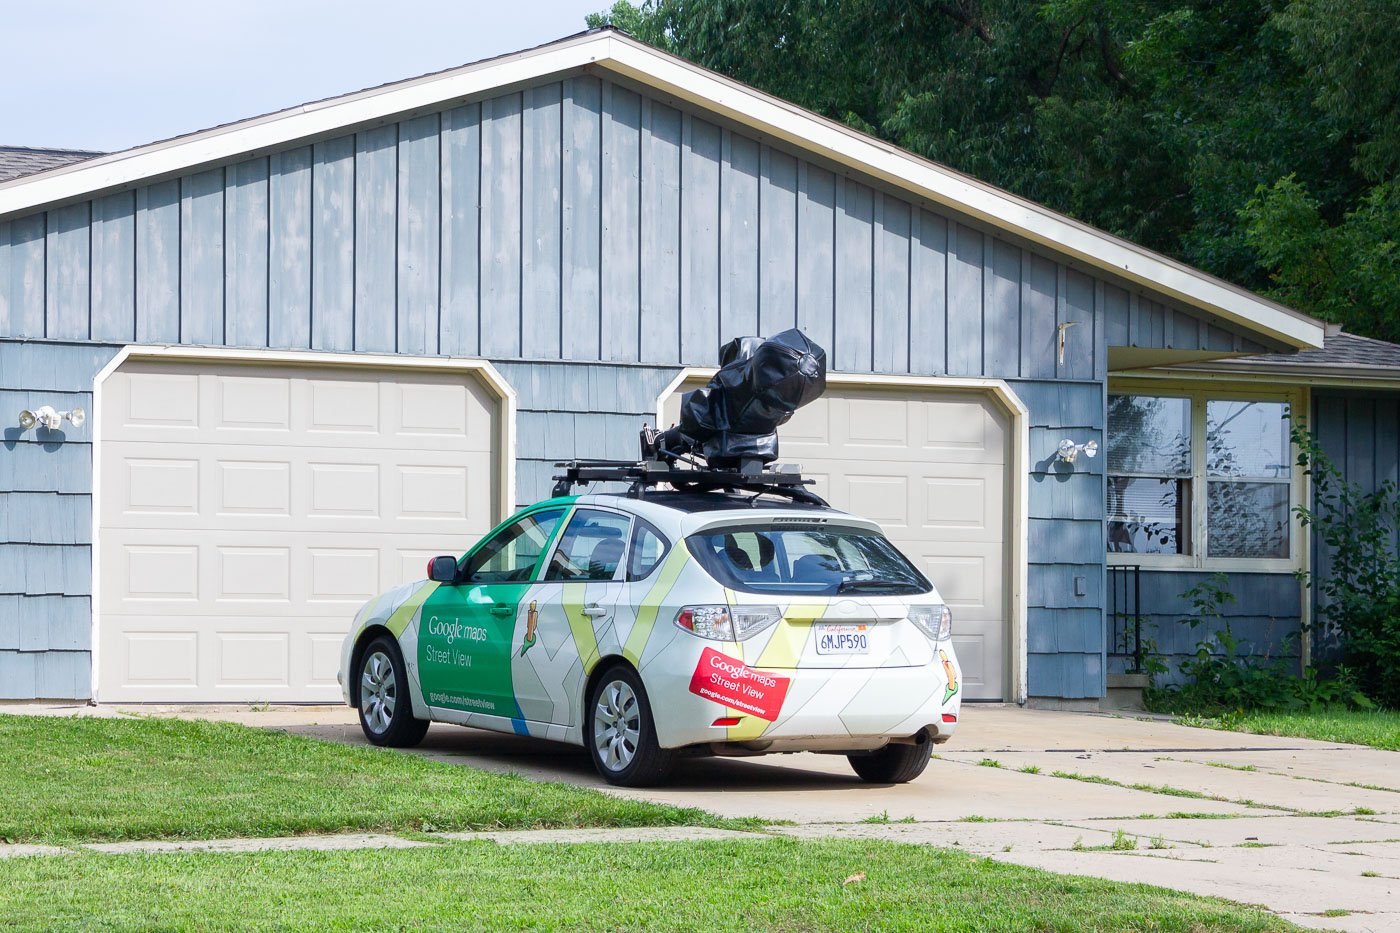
(740, 558)
(607, 554)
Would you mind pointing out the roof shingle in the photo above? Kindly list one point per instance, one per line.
(25, 160)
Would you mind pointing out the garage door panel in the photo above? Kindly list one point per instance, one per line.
(254, 574)
(343, 407)
(930, 466)
(164, 485)
(260, 659)
(159, 402)
(968, 577)
(261, 488)
(343, 489)
(239, 535)
(964, 429)
(252, 403)
(154, 658)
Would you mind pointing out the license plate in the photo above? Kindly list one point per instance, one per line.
(843, 639)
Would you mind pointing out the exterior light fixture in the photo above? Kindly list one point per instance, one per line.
(1069, 451)
(48, 417)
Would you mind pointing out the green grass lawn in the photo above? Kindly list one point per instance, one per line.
(1377, 728)
(66, 779)
(747, 886)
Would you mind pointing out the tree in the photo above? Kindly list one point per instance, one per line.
(1216, 131)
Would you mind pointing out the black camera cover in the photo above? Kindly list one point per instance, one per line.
(759, 385)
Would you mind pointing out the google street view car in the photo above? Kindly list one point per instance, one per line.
(716, 606)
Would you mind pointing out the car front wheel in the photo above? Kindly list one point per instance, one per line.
(620, 732)
(894, 764)
(386, 713)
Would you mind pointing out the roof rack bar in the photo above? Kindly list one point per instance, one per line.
(644, 474)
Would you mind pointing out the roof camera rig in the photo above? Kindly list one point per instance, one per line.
(727, 438)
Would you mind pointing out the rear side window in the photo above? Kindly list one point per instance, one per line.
(591, 548)
(648, 548)
(819, 560)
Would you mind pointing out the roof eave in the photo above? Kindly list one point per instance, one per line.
(685, 81)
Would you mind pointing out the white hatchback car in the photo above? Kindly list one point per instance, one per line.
(651, 627)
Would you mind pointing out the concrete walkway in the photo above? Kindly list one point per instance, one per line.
(1300, 827)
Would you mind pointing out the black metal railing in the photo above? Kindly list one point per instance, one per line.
(1124, 617)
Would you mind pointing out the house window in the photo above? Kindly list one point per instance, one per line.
(1200, 478)
(1149, 481)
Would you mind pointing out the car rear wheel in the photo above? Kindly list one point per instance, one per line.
(386, 713)
(894, 764)
(620, 732)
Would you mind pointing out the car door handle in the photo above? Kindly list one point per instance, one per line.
(500, 610)
(594, 611)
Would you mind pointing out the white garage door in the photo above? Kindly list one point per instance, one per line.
(248, 511)
(931, 467)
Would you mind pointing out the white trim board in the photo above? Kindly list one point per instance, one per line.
(619, 53)
(1018, 527)
(481, 369)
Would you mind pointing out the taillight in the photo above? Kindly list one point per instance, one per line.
(726, 721)
(950, 717)
(934, 621)
(723, 623)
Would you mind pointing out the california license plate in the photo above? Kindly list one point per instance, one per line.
(843, 638)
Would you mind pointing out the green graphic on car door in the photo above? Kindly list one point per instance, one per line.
(466, 636)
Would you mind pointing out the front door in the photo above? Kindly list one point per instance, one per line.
(572, 613)
(465, 638)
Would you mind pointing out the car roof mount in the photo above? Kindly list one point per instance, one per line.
(644, 475)
(727, 438)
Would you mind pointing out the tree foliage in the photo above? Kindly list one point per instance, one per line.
(1257, 140)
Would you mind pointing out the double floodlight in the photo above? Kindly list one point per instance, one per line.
(49, 417)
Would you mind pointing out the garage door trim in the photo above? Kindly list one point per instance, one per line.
(1018, 527)
(487, 374)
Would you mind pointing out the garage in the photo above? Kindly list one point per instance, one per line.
(246, 511)
(932, 466)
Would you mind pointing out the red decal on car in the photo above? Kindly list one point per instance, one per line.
(730, 681)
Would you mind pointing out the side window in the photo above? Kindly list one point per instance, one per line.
(648, 547)
(591, 548)
(512, 554)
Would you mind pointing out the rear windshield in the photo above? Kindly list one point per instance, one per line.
(797, 559)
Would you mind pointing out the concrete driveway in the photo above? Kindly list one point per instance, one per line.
(1304, 828)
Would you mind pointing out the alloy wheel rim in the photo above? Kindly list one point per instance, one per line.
(378, 691)
(617, 725)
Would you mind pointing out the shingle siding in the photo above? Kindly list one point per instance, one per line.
(46, 522)
(1065, 635)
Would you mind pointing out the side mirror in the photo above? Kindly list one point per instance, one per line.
(443, 569)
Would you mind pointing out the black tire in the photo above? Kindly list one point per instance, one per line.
(386, 711)
(620, 732)
(894, 764)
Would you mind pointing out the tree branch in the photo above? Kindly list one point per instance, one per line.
(967, 13)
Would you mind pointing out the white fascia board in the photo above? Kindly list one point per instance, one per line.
(708, 90)
(961, 193)
(320, 119)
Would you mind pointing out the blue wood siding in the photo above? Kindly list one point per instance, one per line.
(1265, 616)
(567, 410)
(46, 523)
(1360, 433)
(574, 220)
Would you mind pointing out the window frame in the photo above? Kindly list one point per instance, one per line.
(465, 561)
(1199, 394)
(547, 558)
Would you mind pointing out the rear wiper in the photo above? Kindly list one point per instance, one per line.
(855, 585)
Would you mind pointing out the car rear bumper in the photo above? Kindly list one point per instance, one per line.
(802, 709)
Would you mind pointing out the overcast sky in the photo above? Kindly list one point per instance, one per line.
(111, 74)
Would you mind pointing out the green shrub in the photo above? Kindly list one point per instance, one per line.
(1360, 594)
(1222, 677)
